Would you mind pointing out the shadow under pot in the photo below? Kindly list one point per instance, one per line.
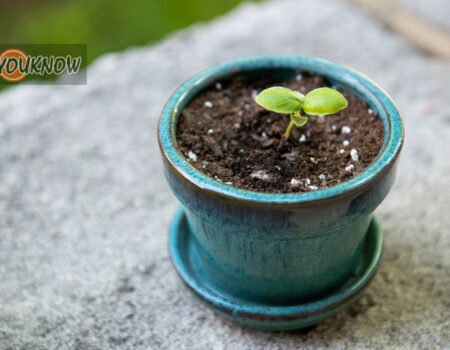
(278, 261)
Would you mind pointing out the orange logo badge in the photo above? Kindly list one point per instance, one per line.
(12, 65)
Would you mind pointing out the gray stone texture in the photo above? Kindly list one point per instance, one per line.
(435, 11)
(85, 208)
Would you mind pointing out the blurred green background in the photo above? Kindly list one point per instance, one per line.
(104, 25)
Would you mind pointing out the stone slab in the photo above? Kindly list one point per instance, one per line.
(85, 209)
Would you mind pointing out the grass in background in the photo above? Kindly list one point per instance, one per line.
(104, 25)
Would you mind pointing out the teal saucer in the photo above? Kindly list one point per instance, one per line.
(183, 252)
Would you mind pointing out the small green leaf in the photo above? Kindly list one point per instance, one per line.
(323, 101)
(280, 100)
(299, 120)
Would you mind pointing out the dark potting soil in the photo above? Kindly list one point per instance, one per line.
(226, 135)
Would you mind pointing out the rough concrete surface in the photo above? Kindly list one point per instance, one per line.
(85, 209)
(436, 11)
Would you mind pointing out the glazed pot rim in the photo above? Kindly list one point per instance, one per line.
(350, 79)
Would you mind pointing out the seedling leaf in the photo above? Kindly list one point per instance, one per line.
(323, 101)
(280, 100)
(299, 120)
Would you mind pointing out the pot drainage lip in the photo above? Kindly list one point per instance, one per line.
(267, 316)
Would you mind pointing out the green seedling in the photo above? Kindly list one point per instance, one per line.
(321, 101)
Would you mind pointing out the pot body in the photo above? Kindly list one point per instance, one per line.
(279, 249)
(278, 254)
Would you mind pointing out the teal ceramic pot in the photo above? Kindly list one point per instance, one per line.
(240, 250)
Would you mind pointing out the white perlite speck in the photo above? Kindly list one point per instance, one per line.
(346, 130)
(192, 156)
(354, 154)
(228, 183)
(210, 131)
(254, 93)
(370, 110)
(349, 168)
(208, 104)
(295, 183)
(341, 151)
(218, 86)
(298, 77)
(260, 175)
(322, 177)
(302, 138)
(313, 160)
(333, 127)
(308, 181)
(346, 143)
(313, 187)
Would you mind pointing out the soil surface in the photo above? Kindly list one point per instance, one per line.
(226, 135)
